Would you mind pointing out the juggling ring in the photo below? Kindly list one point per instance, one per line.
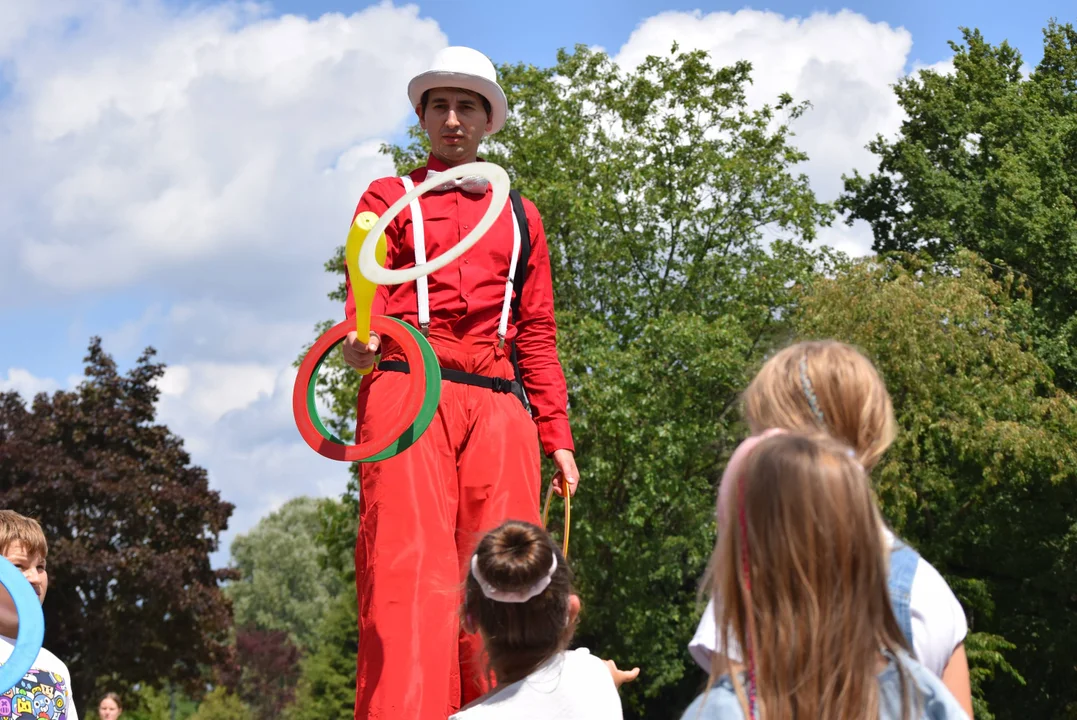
(368, 263)
(31, 626)
(304, 407)
(568, 516)
(420, 402)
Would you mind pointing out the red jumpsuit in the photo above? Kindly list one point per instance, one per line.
(423, 511)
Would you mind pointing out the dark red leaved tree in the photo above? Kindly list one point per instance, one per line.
(264, 671)
(131, 524)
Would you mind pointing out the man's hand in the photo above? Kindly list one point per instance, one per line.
(566, 472)
(358, 355)
(620, 677)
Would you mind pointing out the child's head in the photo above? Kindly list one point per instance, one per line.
(110, 708)
(824, 386)
(801, 570)
(23, 544)
(519, 597)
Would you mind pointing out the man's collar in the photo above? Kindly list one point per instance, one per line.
(433, 163)
(470, 183)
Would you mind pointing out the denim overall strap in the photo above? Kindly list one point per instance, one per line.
(903, 562)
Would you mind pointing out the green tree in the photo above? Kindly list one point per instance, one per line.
(338, 525)
(983, 476)
(327, 676)
(219, 704)
(987, 160)
(282, 583)
(150, 702)
(660, 192)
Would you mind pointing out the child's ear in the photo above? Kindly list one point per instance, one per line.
(469, 624)
(573, 608)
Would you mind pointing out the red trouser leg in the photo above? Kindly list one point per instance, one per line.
(421, 514)
(406, 574)
(499, 480)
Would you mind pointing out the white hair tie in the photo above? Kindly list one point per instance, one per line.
(520, 596)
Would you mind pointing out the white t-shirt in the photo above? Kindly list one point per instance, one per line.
(44, 692)
(938, 622)
(573, 685)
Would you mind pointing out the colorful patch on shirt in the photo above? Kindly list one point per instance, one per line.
(40, 695)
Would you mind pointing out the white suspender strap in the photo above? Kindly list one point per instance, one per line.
(421, 287)
(503, 325)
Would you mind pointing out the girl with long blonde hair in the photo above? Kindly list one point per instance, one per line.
(829, 387)
(801, 568)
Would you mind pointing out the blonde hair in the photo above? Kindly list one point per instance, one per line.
(824, 386)
(16, 528)
(800, 569)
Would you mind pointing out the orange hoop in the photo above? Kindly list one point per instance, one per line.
(568, 516)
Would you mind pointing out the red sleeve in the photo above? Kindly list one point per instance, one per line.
(375, 200)
(536, 345)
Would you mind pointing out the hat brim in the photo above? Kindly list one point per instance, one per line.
(439, 78)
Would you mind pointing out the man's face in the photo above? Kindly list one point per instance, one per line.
(32, 567)
(456, 121)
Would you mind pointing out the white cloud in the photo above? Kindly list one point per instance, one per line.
(236, 421)
(127, 338)
(942, 67)
(155, 143)
(842, 63)
(205, 330)
(195, 167)
(205, 392)
(26, 384)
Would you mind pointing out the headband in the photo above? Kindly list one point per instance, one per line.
(520, 596)
(734, 468)
(809, 392)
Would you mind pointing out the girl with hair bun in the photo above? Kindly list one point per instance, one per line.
(801, 569)
(519, 598)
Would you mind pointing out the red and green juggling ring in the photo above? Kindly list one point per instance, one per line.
(419, 406)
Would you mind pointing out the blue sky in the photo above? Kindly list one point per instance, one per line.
(532, 32)
(185, 170)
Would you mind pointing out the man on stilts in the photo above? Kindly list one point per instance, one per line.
(423, 511)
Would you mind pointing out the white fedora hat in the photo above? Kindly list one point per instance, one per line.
(462, 67)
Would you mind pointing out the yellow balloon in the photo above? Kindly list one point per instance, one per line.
(363, 289)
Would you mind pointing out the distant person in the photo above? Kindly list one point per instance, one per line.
(110, 708)
(46, 689)
(800, 571)
(519, 599)
(832, 388)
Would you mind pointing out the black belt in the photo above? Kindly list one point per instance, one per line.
(497, 384)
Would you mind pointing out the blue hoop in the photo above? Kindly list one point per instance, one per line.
(31, 626)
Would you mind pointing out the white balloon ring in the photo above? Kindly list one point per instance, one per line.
(375, 273)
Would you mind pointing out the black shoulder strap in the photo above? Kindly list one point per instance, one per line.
(518, 281)
(525, 251)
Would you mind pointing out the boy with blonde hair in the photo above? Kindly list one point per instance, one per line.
(45, 691)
